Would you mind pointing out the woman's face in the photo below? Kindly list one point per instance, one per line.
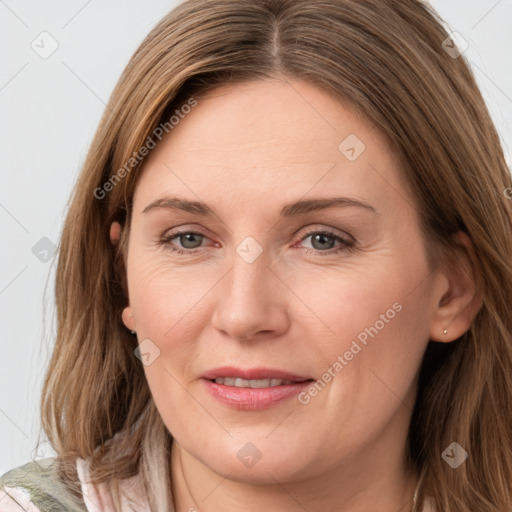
(304, 261)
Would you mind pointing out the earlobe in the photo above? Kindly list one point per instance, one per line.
(115, 232)
(461, 301)
(128, 319)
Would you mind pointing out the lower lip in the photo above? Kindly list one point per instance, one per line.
(253, 398)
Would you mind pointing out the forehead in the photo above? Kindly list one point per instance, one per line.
(263, 140)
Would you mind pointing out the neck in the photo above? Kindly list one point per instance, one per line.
(383, 479)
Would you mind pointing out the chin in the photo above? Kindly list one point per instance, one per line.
(255, 463)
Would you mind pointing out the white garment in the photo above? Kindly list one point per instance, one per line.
(97, 498)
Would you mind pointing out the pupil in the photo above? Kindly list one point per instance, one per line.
(322, 238)
(189, 239)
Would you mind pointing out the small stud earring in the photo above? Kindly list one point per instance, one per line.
(445, 331)
(133, 332)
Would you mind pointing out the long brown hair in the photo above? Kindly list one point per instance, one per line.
(387, 59)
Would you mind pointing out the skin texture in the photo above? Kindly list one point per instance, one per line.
(247, 150)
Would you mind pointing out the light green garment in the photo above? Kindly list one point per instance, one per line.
(40, 480)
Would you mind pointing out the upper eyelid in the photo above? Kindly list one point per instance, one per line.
(329, 230)
(185, 230)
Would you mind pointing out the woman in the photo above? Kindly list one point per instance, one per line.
(284, 278)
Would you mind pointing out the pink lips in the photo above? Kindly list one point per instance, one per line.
(253, 398)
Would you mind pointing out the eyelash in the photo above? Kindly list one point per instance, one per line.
(347, 245)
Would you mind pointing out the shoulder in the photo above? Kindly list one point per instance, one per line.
(36, 487)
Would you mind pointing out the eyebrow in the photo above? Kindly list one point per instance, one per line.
(289, 210)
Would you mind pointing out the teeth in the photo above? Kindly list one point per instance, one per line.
(256, 383)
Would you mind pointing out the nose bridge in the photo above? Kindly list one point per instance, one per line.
(249, 273)
(248, 301)
(247, 283)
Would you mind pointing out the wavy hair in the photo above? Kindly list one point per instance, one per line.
(386, 58)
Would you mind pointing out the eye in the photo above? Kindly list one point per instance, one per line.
(188, 242)
(324, 241)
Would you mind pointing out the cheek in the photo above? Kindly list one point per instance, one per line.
(170, 307)
(163, 295)
(352, 304)
(166, 304)
(370, 330)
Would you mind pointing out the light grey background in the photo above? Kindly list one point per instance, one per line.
(50, 108)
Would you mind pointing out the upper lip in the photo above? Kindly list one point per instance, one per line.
(252, 374)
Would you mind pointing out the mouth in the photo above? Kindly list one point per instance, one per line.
(253, 389)
(237, 382)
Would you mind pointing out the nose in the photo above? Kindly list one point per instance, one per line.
(251, 301)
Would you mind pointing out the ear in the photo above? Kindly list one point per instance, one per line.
(115, 237)
(128, 320)
(460, 296)
(115, 232)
